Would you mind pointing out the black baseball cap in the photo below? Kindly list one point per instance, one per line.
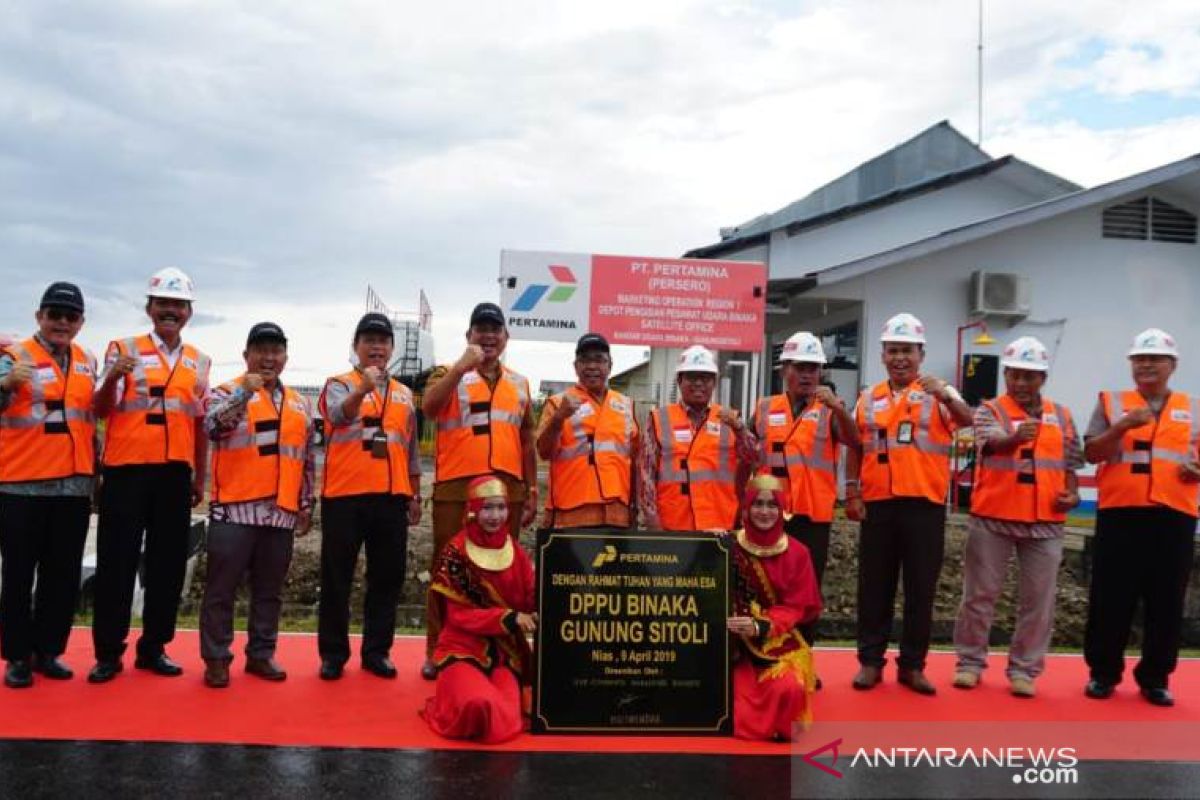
(266, 332)
(374, 322)
(591, 341)
(61, 294)
(487, 312)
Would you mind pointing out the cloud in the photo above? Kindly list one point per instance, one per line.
(288, 153)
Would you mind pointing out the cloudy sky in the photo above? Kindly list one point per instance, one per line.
(286, 154)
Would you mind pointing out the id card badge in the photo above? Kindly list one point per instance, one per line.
(904, 434)
(379, 445)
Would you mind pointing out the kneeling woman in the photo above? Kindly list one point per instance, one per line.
(775, 592)
(484, 585)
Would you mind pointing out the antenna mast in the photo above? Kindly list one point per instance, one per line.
(979, 74)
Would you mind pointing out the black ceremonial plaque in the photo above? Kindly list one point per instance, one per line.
(631, 635)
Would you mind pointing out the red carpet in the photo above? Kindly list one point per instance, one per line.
(364, 711)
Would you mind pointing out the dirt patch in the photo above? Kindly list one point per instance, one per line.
(302, 588)
(841, 582)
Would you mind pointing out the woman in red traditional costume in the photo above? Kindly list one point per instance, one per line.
(484, 583)
(775, 591)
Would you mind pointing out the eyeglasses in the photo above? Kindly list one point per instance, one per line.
(59, 314)
(596, 358)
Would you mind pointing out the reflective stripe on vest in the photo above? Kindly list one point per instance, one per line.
(1021, 485)
(800, 452)
(264, 456)
(351, 468)
(891, 468)
(695, 482)
(1145, 469)
(48, 431)
(479, 430)
(154, 419)
(593, 462)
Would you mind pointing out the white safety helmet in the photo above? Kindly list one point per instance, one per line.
(1026, 353)
(903, 328)
(697, 358)
(1154, 342)
(171, 283)
(803, 347)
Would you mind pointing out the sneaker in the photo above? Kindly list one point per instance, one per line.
(1020, 686)
(965, 679)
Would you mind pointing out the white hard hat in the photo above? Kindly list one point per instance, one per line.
(697, 358)
(1026, 353)
(903, 328)
(1154, 342)
(171, 283)
(803, 347)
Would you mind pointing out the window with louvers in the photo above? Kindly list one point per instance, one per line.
(1148, 218)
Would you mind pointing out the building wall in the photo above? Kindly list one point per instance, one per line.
(1090, 296)
(893, 226)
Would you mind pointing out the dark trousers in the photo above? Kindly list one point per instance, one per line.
(40, 536)
(814, 536)
(347, 523)
(906, 536)
(154, 499)
(1138, 554)
(233, 551)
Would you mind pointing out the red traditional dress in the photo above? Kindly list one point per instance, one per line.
(480, 582)
(774, 582)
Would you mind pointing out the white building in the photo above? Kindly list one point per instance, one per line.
(1081, 269)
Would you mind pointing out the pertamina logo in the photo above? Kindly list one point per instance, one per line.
(563, 288)
(605, 556)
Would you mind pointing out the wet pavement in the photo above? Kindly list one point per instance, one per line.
(127, 769)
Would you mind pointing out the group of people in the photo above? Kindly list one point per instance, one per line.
(772, 480)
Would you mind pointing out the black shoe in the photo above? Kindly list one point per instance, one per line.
(868, 677)
(105, 671)
(53, 668)
(1098, 690)
(915, 679)
(18, 675)
(818, 686)
(159, 665)
(266, 668)
(216, 673)
(380, 665)
(429, 670)
(330, 671)
(1158, 697)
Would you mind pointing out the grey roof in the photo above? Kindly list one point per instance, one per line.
(1183, 175)
(936, 156)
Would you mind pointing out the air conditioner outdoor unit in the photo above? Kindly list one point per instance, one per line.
(1000, 294)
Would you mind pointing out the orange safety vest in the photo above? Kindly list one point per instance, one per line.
(1145, 471)
(906, 445)
(1021, 485)
(48, 430)
(263, 457)
(800, 452)
(479, 430)
(593, 461)
(154, 421)
(351, 467)
(696, 472)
